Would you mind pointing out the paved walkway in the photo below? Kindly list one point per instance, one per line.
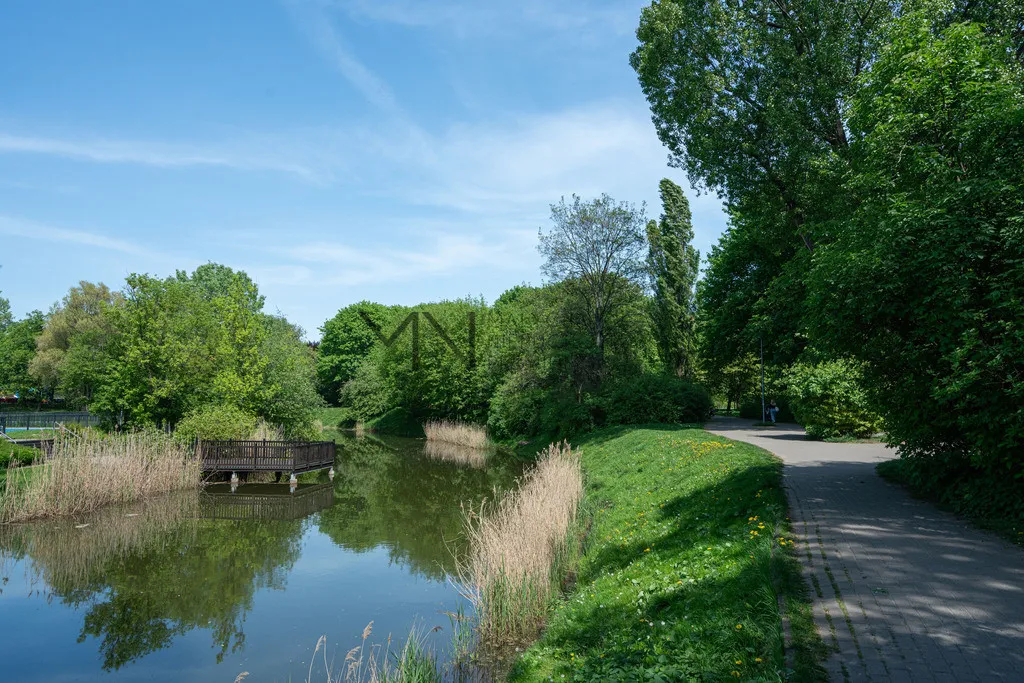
(902, 591)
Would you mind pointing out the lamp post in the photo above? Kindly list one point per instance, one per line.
(762, 379)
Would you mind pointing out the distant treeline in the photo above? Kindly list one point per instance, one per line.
(160, 350)
(607, 341)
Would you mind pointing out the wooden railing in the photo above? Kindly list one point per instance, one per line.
(265, 456)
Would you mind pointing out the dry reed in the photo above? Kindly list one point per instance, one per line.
(521, 547)
(267, 432)
(88, 472)
(460, 455)
(458, 433)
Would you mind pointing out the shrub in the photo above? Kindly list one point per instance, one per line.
(214, 423)
(20, 455)
(644, 399)
(515, 412)
(829, 400)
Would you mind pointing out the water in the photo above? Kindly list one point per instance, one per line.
(202, 588)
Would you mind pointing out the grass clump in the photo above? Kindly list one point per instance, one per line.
(458, 433)
(88, 472)
(521, 547)
(688, 560)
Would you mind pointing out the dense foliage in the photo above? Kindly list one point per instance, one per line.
(829, 400)
(191, 345)
(870, 155)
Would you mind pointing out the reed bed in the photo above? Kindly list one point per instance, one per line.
(522, 547)
(87, 472)
(458, 433)
(267, 432)
(460, 455)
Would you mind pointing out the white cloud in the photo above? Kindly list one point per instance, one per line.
(163, 155)
(334, 263)
(574, 20)
(15, 227)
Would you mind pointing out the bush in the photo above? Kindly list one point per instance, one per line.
(515, 412)
(829, 400)
(646, 399)
(215, 423)
(953, 481)
(22, 455)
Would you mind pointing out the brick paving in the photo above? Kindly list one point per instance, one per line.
(902, 591)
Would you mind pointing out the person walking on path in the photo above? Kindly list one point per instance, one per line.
(901, 590)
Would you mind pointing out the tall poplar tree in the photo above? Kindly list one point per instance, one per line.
(673, 264)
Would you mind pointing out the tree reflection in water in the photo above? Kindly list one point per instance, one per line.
(388, 492)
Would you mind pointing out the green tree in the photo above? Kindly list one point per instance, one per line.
(71, 352)
(5, 314)
(291, 399)
(926, 282)
(673, 265)
(596, 247)
(345, 342)
(17, 348)
(749, 97)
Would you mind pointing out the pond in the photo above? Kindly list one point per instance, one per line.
(204, 587)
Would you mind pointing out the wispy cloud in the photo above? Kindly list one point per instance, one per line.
(163, 155)
(16, 227)
(317, 25)
(573, 20)
(339, 263)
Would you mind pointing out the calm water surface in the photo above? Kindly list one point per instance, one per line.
(202, 588)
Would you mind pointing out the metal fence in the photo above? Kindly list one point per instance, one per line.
(45, 420)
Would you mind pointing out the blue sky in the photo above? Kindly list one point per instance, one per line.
(336, 150)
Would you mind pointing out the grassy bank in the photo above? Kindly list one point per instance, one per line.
(686, 564)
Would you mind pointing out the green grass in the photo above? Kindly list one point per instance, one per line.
(23, 475)
(331, 416)
(30, 433)
(684, 568)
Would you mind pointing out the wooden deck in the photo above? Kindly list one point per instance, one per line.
(265, 456)
(264, 501)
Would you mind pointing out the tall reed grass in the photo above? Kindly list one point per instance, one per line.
(87, 472)
(521, 548)
(458, 433)
(413, 662)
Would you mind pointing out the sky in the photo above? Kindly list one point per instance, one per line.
(398, 151)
